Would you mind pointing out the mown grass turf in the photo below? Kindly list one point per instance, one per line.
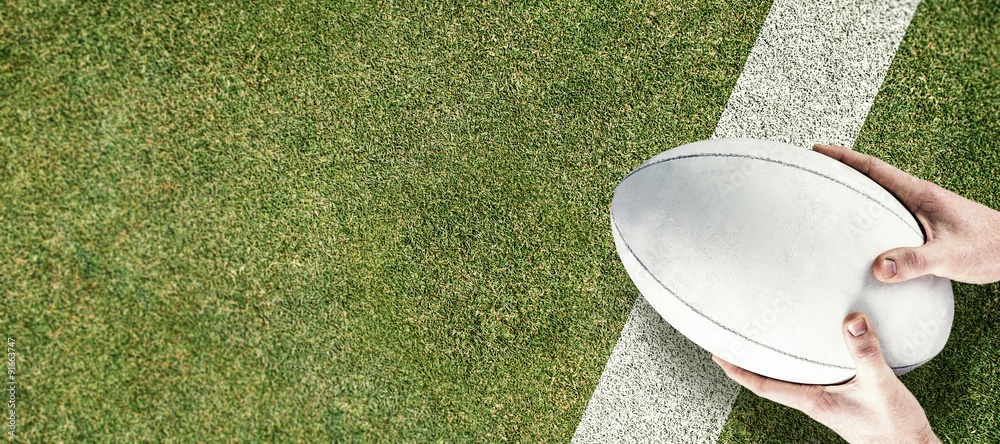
(937, 116)
(314, 221)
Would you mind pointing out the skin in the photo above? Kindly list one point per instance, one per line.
(873, 407)
(962, 244)
(962, 236)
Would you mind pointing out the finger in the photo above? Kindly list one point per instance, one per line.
(862, 342)
(903, 264)
(905, 187)
(796, 396)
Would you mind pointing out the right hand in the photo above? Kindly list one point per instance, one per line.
(963, 237)
(874, 406)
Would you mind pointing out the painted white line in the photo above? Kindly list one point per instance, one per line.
(810, 78)
(814, 71)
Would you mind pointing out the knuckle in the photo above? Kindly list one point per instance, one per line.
(758, 388)
(929, 197)
(870, 164)
(916, 260)
(821, 404)
(867, 351)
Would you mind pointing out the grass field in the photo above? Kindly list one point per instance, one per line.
(358, 221)
(332, 220)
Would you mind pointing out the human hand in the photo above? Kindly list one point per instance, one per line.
(963, 237)
(874, 406)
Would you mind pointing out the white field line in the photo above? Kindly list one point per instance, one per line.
(810, 78)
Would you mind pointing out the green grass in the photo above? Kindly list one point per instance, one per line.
(355, 222)
(938, 117)
(347, 221)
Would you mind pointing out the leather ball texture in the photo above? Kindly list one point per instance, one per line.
(757, 250)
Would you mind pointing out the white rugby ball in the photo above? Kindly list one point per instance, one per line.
(757, 251)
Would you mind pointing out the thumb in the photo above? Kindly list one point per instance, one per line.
(862, 342)
(903, 264)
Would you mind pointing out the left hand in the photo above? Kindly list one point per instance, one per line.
(874, 406)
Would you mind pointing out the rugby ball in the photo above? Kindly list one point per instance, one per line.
(757, 251)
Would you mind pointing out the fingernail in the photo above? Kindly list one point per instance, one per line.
(858, 328)
(889, 266)
(716, 359)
